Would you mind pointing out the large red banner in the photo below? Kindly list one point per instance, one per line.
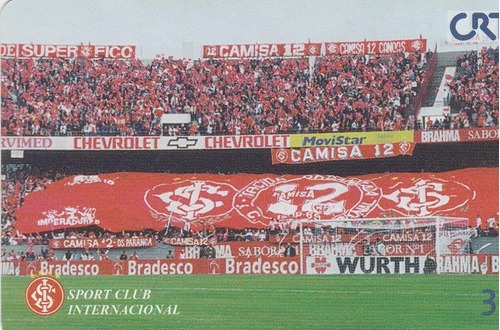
(457, 135)
(351, 152)
(66, 51)
(261, 50)
(136, 201)
(101, 243)
(376, 47)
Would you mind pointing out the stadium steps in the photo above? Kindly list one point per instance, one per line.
(449, 58)
(485, 245)
(444, 60)
(160, 251)
(436, 81)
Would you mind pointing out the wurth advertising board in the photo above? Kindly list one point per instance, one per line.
(365, 265)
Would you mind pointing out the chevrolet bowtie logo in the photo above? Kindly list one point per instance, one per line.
(182, 142)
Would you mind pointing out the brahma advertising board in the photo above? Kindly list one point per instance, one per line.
(234, 249)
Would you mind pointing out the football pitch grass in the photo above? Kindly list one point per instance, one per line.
(270, 302)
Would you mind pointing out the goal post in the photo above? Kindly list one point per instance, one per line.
(381, 245)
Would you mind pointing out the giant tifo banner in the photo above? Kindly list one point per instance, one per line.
(376, 47)
(101, 243)
(261, 50)
(137, 201)
(66, 51)
(457, 135)
(352, 152)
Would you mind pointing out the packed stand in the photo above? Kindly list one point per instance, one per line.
(17, 182)
(64, 97)
(474, 90)
(359, 93)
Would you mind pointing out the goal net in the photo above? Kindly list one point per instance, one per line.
(382, 245)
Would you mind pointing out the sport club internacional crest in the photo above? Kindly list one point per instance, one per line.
(320, 265)
(44, 296)
(311, 197)
(426, 197)
(192, 200)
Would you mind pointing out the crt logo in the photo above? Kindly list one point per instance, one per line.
(465, 26)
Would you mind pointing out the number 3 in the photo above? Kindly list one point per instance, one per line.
(490, 301)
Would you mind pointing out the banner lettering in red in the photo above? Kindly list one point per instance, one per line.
(66, 51)
(261, 50)
(376, 47)
(101, 243)
(351, 152)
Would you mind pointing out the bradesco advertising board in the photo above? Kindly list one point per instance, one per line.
(115, 267)
(253, 265)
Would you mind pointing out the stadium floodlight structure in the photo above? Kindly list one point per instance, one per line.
(428, 238)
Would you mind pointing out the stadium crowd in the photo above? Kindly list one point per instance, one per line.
(64, 97)
(474, 89)
(17, 183)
